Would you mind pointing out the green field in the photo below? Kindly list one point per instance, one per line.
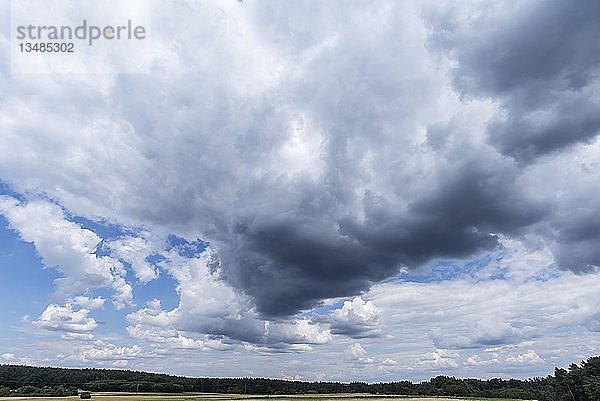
(101, 396)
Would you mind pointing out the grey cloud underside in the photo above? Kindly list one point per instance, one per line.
(578, 238)
(357, 332)
(541, 61)
(290, 263)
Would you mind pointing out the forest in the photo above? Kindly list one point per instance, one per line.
(579, 382)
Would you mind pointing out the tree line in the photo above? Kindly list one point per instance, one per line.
(577, 383)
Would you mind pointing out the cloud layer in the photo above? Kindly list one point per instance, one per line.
(286, 172)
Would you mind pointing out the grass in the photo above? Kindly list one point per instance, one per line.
(105, 396)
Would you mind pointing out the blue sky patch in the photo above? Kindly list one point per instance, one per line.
(185, 248)
(446, 270)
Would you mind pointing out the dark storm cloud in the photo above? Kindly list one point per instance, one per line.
(288, 265)
(291, 263)
(541, 60)
(354, 331)
(468, 204)
(577, 247)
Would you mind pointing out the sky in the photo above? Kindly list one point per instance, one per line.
(314, 190)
